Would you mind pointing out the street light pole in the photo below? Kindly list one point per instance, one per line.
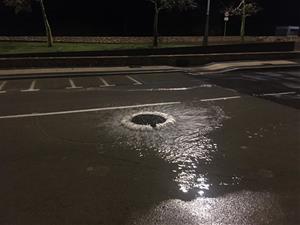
(205, 38)
(242, 33)
(225, 28)
(226, 19)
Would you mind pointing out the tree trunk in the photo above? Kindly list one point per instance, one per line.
(47, 25)
(243, 22)
(155, 28)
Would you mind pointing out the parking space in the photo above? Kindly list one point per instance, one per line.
(92, 82)
(52, 84)
(67, 83)
(68, 156)
(281, 86)
(15, 85)
(275, 85)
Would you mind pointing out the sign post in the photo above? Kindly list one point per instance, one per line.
(226, 19)
(205, 38)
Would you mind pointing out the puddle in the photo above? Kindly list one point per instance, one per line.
(185, 145)
(243, 208)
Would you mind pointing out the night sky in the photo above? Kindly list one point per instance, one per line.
(134, 17)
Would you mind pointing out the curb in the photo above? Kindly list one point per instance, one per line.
(187, 60)
(80, 74)
(243, 68)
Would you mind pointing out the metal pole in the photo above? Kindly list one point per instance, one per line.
(225, 28)
(205, 38)
(243, 21)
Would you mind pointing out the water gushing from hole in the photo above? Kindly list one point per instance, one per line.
(147, 121)
(185, 143)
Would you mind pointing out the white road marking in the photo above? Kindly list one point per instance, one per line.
(73, 85)
(297, 74)
(219, 99)
(129, 107)
(173, 89)
(291, 85)
(86, 110)
(2, 86)
(255, 77)
(135, 82)
(275, 94)
(164, 89)
(269, 74)
(105, 83)
(31, 88)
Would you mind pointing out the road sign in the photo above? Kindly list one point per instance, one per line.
(226, 18)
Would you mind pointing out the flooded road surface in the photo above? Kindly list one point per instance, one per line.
(230, 157)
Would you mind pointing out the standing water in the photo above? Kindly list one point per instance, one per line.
(184, 144)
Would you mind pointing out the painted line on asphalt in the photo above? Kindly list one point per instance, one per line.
(269, 74)
(87, 110)
(135, 82)
(255, 77)
(275, 94)
(293, 74)
(171, 89)
(220, 99)
(105, 83)
(31, 88)
(162, 89)
(2, 86)
(129, 107)
(73, 85)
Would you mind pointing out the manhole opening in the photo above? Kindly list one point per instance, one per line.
(148, 119)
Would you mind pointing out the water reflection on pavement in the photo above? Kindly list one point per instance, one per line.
(236, 177)
(185, 145)
(243, 208)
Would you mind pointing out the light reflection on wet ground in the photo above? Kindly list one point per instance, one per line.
(240, 175)
(242, 208)
(231, 161)
(185, 145)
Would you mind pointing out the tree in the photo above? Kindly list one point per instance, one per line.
(25, 5)
(245, 9)
(160, 5)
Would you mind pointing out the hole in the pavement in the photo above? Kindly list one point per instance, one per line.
(147, 120)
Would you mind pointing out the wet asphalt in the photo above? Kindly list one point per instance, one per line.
(231, 157)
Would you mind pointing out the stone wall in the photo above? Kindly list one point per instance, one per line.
(135, 40)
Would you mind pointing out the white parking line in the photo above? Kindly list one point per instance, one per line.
(172, 89)
(130, 106)
(105, 83)
(219, 99)
(135, 82)
(294, 74)
(269, 74)
(87, 110)
(255, 77)
(276, 94)
(31, 88)
(2, 86)
(73, 85)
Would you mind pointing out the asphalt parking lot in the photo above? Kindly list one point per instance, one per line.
(231, 157)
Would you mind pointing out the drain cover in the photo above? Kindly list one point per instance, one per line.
(147, 120)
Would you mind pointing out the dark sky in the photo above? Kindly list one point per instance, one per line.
(134, 17)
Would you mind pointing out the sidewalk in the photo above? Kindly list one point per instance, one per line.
(48, 72)
(212, 68)
(223, 67)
